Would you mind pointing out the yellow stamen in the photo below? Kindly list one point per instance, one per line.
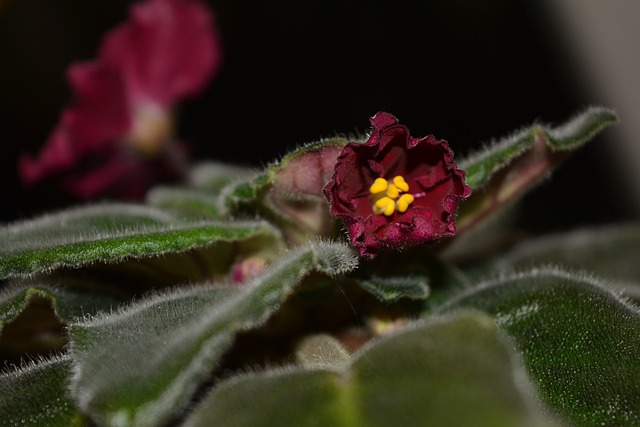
(383, 202)
(401, 183)
(392, 191)
(390, 208)
(403, 202)
(386, 196)
(378, 186)
(384, 205)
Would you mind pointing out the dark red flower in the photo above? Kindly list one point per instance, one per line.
(395, 191)
(116, 138)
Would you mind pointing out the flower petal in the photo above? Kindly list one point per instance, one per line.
(418, 208)
(168, 50)
(107, 143)
(99, 113)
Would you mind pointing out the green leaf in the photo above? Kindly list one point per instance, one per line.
(507, 169)
(36, 395)
(211, 176)
(32, 317)
(142, 364)
(447, 371)
(185, 200)
(579, 341)
(391, 289)
(609, 251)
(67, 303)
(429, 279)
(201, 196)
(109, 233)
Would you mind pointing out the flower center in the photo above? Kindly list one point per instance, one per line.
(152, 129)
(387, 196)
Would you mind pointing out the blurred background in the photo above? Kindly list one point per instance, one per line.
(293, 72)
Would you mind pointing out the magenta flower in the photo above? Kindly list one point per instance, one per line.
(116, 138)
(395, 191)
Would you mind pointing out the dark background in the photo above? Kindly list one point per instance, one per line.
(297, 71)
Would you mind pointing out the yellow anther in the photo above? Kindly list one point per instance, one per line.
(386, 196)
(399, 182)
(378, 186)
(384, 205)
(391, 207)
(403, 202)
(383, 201)
(392, 191)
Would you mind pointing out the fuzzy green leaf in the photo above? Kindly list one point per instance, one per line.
(211, 176)
(571, 135)
(579, 341)
(391, 289)
(185, 200)
(428, 278)
(201, 196)
(609, 251)
(141, 365)
(36, 395)
(68, 303)
(108, 233)
(508, 168)
(32, 317)
(448, 371)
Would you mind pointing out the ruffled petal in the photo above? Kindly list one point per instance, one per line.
(435, 185)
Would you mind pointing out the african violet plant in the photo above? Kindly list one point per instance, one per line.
(353, 282)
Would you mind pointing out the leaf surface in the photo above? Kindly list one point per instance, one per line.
(185, 200)
(447, 371)
(108, 233)
(609, 251)
(68, 303)
(212, 176)
(391, 289)
(142, 364)
(36, 395)
(510, 167)
(579, 341)
(32, 317)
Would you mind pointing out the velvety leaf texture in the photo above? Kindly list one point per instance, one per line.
(108, 233)
(141, 365)
(579, 341)
(610, 251)
(449, 371)
(507, 169)
(568, 136)
(68, 303)
(33, 316)
(212, 176)
(391, 289)
(36, 395)
(185, 200)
